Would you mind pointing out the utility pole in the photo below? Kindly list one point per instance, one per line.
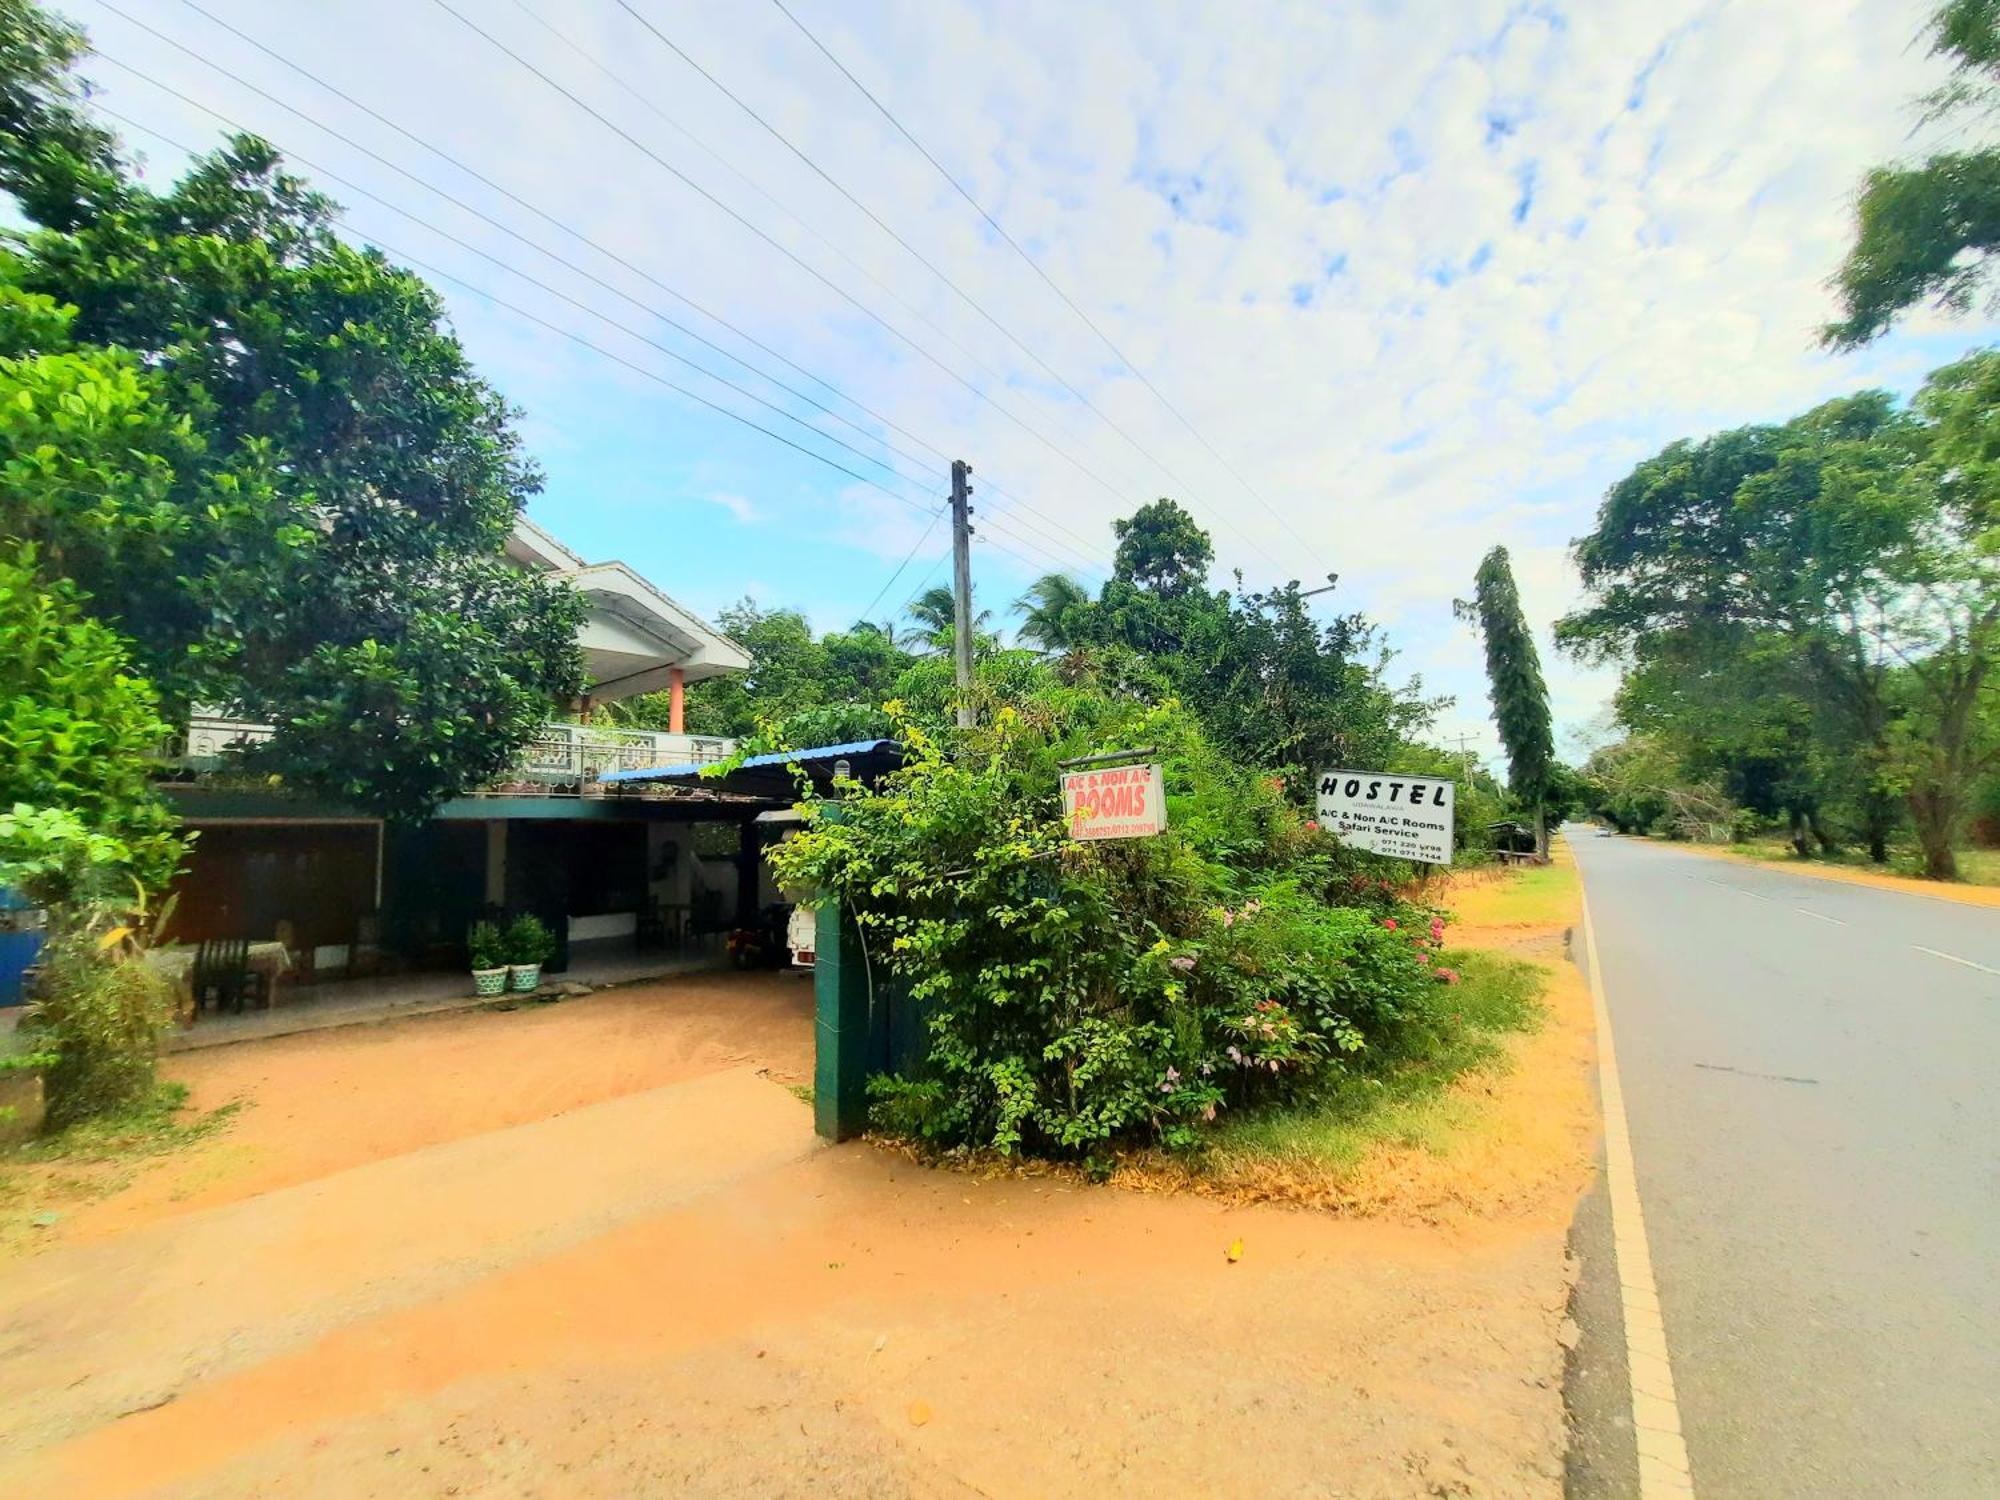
(1464, 757)
(961, 586)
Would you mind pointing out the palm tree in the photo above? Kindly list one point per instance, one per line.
(1052, 612)
(933, 612)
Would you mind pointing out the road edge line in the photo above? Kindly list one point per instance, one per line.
(1656, 1419)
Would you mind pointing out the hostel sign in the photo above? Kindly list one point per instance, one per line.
(1408, 817)
(1119, 802)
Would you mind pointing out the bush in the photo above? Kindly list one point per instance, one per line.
(101, 1014)
(484, 948)
(527, 940)
(1076, 994)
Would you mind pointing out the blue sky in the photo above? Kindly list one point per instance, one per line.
(1421, 277)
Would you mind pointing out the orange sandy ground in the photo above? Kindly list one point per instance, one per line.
(594, 1249)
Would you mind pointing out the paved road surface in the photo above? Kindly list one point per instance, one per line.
(1812, 1079)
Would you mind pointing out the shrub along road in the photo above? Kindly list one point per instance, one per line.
(1807, 1077)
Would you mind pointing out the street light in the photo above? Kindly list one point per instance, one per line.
(1332, 579)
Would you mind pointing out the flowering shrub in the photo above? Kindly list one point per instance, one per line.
(1074, 994)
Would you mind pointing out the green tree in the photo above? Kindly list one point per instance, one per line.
(1053, 612)
(75, 727)
(1160, 548)
(1928, 230)
(315, 533)
(1859, 535)
(1514, 678)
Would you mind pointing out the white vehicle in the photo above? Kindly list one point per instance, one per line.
(802, 937)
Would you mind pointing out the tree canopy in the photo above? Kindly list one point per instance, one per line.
(1825, 594)
(1928, 230)
(263, 457)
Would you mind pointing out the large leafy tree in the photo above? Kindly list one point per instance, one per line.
(1857, 539)
(1514, 681)
(1928, 230)
(1160, 548)
(315, 534)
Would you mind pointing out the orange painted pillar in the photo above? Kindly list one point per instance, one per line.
(676, 693)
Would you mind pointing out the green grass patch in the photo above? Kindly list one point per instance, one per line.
(46, 1177)
(803, 1092)
(1405, 1100)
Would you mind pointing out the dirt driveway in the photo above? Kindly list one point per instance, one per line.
(593, 1250)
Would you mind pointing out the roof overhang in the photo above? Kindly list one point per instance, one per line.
(773, 777)
(635, 636)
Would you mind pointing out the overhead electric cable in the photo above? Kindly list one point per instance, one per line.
(964, 296)
(1034, 265)
(552, 255)
(782, 249)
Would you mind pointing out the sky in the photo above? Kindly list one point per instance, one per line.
(1368, 287)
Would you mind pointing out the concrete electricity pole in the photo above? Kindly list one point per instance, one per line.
(961, 586)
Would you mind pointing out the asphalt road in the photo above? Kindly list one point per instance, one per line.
(1811, 1074)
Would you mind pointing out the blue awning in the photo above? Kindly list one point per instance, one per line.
(771, 775)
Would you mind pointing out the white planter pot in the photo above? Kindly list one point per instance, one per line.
(489, 981)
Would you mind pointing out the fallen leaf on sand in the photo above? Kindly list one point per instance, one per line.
(920, 1413)
(1235, 1251)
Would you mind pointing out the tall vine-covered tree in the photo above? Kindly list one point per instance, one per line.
(1929, 229)
(1514, 678)
(310, 530)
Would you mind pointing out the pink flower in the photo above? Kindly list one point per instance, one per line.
(1209, 1113)
(1437, 929)
(1312, 826)
(1391, 923)
(1182, 962)
(1274, 1065)
(1449, 976)
(1423, 958)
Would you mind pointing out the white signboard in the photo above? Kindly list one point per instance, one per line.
(1406, 816)
(1118, 802)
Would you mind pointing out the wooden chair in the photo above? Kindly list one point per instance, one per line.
(223, 976)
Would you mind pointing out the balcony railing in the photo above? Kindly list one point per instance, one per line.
(559, 755)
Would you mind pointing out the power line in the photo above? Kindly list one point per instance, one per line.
(540, 249)
(782, 249)
(1034, 265)
(544, 286)
(966, 297)
(907, 559)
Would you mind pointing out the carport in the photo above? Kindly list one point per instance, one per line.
(858, 1026)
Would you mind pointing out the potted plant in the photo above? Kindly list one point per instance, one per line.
(489, 959)
(528, 946)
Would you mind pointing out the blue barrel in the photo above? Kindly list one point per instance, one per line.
(20, 941)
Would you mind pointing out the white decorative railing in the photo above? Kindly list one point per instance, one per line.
(583, 752)
(558, 755)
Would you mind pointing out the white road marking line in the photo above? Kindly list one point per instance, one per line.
(1725, 885)
(1819, 916)
(1656, 1418)
(1953, 958)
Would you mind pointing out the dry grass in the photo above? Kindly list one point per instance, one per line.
(1496, 1126)
(1978, 883)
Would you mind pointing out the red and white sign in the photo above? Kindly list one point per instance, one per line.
(1119, 802)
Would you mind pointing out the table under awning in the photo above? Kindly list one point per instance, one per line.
(774, 777)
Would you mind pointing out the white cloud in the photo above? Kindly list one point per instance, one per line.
(737, 506)
(1429, 275)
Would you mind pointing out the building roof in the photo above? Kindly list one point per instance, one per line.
(635, 634)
